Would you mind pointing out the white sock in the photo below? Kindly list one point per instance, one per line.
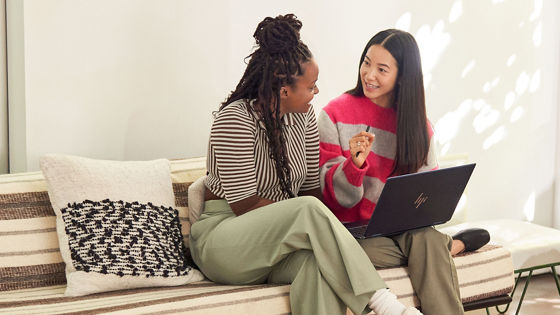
(384, 302)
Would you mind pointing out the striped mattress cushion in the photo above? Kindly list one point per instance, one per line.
(29, 251)
(484, 273)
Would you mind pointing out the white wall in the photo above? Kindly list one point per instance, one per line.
(138, 79)
(556, 214)
(17, 107)
(3, 92)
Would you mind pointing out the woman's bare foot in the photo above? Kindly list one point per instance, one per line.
(456, 247)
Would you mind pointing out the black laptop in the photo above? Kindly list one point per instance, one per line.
(413, 201)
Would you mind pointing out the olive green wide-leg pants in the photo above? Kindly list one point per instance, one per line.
(430, 266)
(297, 241)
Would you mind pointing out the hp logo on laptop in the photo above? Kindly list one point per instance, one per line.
(420, 200)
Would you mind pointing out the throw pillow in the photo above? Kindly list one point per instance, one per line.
(116, 223)
(196, 199)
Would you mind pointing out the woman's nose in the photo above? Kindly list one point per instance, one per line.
(316, 90)
(370, 75)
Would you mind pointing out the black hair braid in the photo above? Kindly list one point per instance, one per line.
(275, 63)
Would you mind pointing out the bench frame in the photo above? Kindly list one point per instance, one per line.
(519, 273)
(486, 303)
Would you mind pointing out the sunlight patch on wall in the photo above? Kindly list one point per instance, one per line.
(509, 100)
(535, 81)
(537, 35)
(516, 114)
(511, 60)
(486, 87)
(468, 68)
(490, 85)
(537, 10)
(447, 127)
(529, 208)
(403, 23)
(456, 11)
(522, 83)
(432, 43)
(486, 117)
(494, 138)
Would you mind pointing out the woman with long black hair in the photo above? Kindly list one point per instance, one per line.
(379, 129)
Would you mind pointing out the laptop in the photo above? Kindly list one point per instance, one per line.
(414, 201)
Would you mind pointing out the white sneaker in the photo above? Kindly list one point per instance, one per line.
(412, 311)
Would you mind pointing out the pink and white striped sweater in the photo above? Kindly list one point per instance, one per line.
(351, 192)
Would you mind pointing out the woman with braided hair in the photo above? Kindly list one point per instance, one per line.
(262, 220)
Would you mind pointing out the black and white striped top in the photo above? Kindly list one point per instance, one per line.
(239, 163)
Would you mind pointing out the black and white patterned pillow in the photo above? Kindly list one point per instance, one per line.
(117, 224)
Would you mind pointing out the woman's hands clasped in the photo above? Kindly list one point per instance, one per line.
(360, 146)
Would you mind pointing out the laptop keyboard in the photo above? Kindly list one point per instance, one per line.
(358, 231)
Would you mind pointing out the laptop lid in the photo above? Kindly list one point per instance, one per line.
(418, 200)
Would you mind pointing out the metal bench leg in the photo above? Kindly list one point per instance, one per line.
(524, 290)
(556, 278)
(512, 293)
(519, 274)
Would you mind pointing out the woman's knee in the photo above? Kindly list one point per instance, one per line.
(310, 201)
(429, 236)
(313, 205)
(286, 270)
(383, 252)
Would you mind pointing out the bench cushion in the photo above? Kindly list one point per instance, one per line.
(482, 274)
(196, 298)
(530, 244)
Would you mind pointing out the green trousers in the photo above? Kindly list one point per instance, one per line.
(297, 241)
(430, 266)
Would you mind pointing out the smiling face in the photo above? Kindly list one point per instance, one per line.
(378, 73)
(297, 97)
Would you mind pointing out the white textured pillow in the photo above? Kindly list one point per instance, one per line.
(116, 223)
(196, 199)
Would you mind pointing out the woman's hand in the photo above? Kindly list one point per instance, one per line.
(360, 146)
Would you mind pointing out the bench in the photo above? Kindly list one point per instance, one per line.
(32, 277)
(534, 248)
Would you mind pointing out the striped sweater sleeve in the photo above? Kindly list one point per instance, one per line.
(233, 139)
(311, 152)
(341, 180)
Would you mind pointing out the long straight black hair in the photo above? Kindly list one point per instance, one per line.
(275, 63)
(413, 140)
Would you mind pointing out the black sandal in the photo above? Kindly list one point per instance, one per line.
(473, 238)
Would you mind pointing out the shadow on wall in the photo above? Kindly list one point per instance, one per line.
(503, 61)
(488, 118)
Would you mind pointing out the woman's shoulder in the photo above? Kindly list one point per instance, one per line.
(341, 101)
(236, 114)
(235, 110)
(341, 106)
